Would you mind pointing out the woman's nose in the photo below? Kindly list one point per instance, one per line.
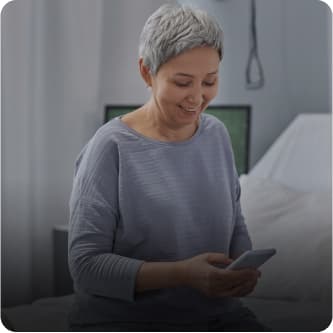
(195, 97)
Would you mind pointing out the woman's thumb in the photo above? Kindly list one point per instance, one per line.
(218, 258)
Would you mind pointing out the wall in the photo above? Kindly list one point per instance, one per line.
(50, 72)
(308, 39)
(16, 257)
(123, 20)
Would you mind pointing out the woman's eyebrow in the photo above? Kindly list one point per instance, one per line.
(212, 73)
(189, 75)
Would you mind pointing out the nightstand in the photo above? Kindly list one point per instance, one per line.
(63, 283)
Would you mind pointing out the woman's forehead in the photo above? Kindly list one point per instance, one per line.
(198, 61)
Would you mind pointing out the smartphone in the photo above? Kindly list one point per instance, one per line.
(251, 259)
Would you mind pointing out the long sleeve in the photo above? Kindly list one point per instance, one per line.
(240, 241)
(94, 267)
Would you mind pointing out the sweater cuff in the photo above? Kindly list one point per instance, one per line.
(119, 279)
(133, 272)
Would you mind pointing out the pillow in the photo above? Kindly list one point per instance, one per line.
(298, 225)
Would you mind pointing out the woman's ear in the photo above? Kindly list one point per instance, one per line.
(145, 73)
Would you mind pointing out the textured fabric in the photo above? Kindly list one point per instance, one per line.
(136, 199)
(241, 321)
(301, 157)
(284, 218)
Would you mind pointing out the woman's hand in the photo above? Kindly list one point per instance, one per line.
(201, 272)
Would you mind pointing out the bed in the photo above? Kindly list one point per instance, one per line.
(286, 200)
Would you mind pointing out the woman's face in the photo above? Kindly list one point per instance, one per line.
(184, 86)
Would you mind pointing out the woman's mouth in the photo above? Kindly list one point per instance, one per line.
(190, 110)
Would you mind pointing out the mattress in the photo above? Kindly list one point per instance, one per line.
(44, 315)
(50, 314)
(291, 316)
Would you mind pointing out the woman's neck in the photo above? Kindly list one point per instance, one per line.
(164, 130)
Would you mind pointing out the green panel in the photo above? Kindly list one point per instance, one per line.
(236, 120)
(115, 112)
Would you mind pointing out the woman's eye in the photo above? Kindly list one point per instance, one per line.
(209, 84)
(187, 84)
(180, 84)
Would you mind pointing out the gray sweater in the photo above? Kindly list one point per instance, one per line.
(136, 199)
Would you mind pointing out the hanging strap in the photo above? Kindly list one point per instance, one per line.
(253, 59)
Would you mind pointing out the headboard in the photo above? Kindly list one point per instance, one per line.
(236, 118)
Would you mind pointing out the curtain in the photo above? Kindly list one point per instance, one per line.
(51, 53)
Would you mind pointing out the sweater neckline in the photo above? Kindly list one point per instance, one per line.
(160, 142)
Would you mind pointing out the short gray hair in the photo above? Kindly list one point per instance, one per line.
(173, 29)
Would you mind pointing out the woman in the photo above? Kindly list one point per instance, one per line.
(155, 208)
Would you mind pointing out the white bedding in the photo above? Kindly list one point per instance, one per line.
(301, 157)
(287, 203)
(299, 226)
(284, 316)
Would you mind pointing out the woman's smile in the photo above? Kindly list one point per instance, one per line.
(190, 112)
